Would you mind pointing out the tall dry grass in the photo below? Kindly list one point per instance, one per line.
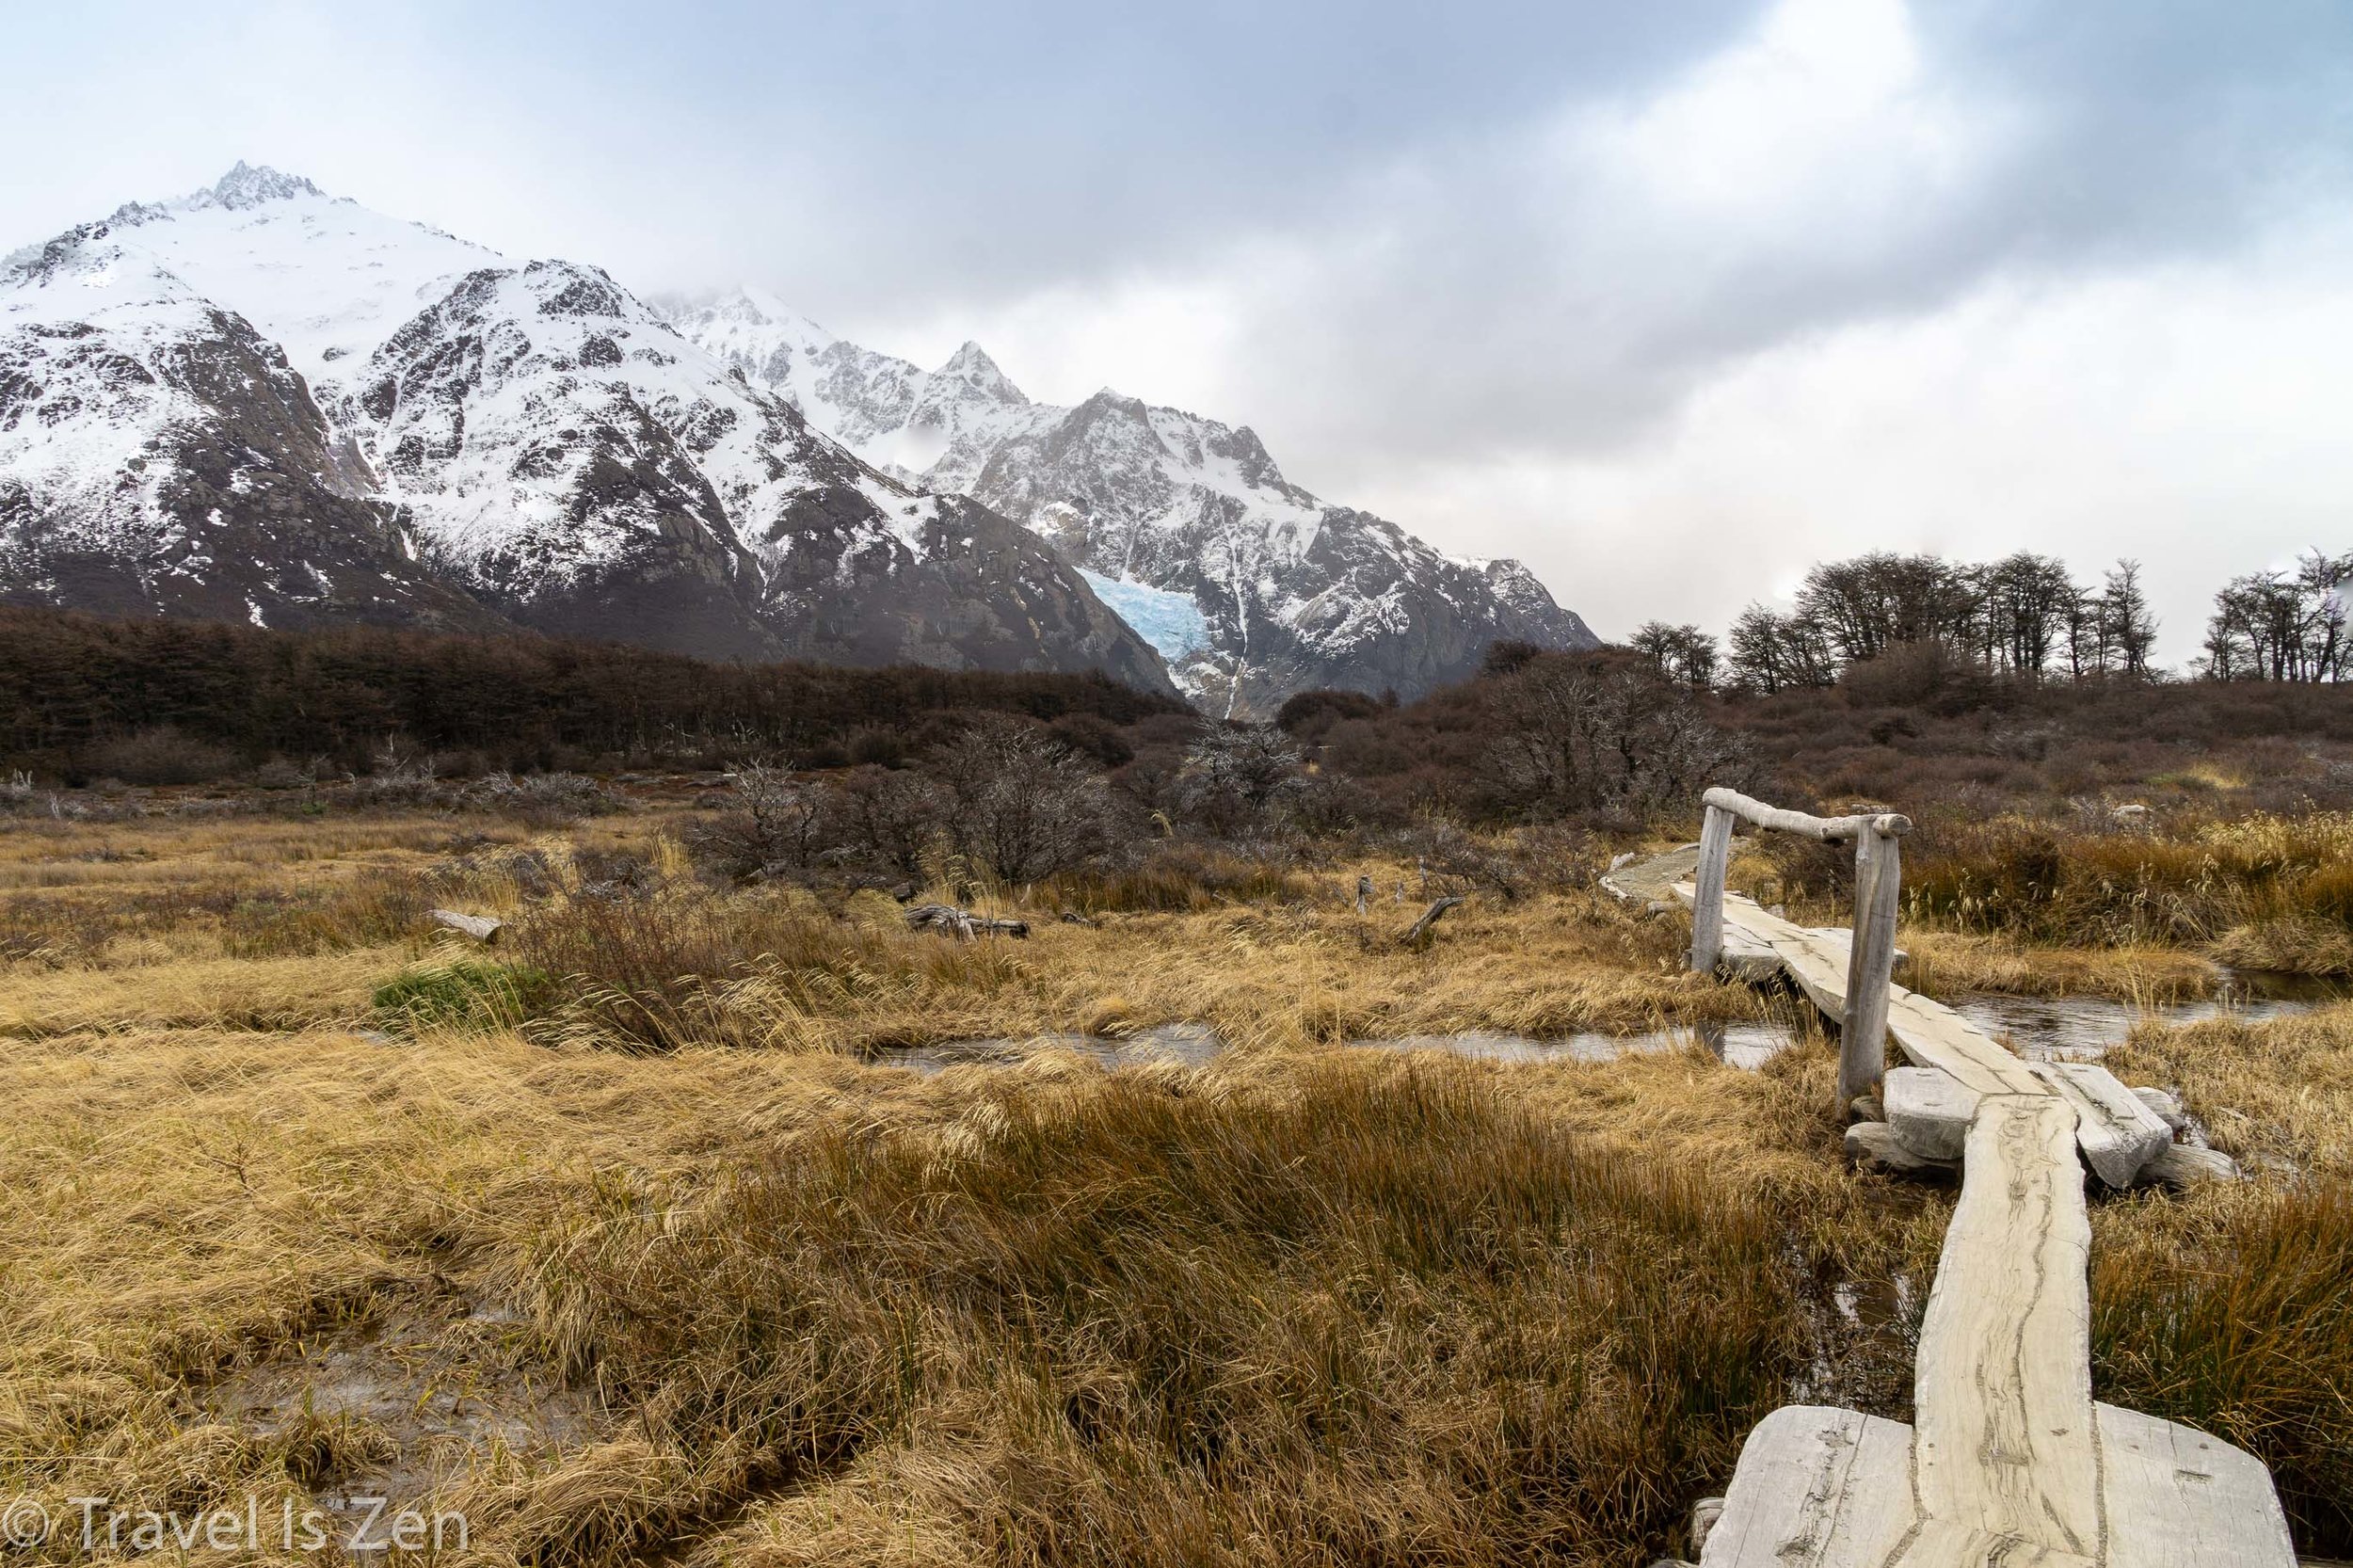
(2232, 1309)
(1354, 1307)
(2262, 890)
(683, 964)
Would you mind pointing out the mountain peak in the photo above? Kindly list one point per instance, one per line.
(250, 184)
(972, 366)
(752, 303)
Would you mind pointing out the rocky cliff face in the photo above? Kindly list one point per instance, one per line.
(263, 402)
(1249, 585)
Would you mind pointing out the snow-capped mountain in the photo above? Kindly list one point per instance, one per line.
(261, 401)
(1250, 586)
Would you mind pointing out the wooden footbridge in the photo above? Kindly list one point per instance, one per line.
(2009, 1461)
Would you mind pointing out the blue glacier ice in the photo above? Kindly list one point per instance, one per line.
(1171, 622)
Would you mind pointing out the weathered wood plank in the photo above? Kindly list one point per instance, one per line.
(1945, 1544)
(1929, 1033)
(1816, 1487)
(1929, 1111)
(2003, 1442)
(2178, 1498)
(2119, 1134)
(1821, 1487)
(1870, 961)
(1707, 895)
(1652, 880)
(1748, 956)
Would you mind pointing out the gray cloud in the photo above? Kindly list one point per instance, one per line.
(1417, 246)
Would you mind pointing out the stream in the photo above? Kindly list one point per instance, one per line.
(2039, 1028)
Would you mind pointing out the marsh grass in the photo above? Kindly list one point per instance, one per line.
(686, 963)
(1350, 1307)
(1304, 1304)
(2231, 1308)
(2262, 885)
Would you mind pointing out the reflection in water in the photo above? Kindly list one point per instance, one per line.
(1741, 1045)
(2082, 1028)
(1187, 1045)
(1191, 1044)
(2041, 1028)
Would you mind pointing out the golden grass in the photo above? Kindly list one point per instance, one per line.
(1947, 964)
(2230, 1310)
(1300, 1306)
(752, 1305)
(173, 992)
(769, 969)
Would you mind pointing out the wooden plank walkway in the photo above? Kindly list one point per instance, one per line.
(2009, 1461)
(1821, 1487)
(1929, 1033)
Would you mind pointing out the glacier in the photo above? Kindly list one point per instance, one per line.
(1170, 622)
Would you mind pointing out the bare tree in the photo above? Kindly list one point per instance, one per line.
(2282, 625)
(1235, 776)
(1022, 803)
(2026, 604)
(2128, 629)
(777, 823)
(1772, 652)
(1683, 654)
(890, 816)
(1575, 737)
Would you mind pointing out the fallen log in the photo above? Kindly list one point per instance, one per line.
(1420, 928)
(481, 928)
(2182, 1166)
(962, 923)
(1875, 1146)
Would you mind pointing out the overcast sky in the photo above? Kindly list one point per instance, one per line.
(1670, 300)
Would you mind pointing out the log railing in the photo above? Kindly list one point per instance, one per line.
(1871, 958)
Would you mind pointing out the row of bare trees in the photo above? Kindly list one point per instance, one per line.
(2023, 617)
(2282, 625)
(1006, 796)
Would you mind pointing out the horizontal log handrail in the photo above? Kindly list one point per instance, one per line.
(1828, 830)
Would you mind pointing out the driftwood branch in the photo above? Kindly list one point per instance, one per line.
(1430, 917)
(962, 923)
(480, 927)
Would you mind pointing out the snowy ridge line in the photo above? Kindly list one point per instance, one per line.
(256, 401)
(1291, 591)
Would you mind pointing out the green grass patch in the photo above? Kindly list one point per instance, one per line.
(464, 993)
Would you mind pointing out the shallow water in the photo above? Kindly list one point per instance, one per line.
(1186, 1045)
(2041, 1028)
(1742, 1045)
(2082, 1028)
(1191, 1044)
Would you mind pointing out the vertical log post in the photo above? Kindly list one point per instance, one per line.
(1707, 896)
(1871, 959)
